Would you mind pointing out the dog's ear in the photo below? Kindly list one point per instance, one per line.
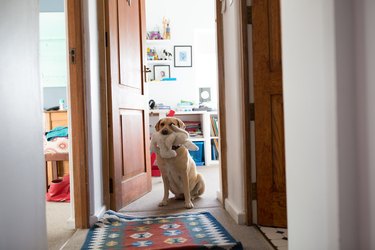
(157, 126)
(180, 123)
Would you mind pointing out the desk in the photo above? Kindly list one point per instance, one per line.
(55, 118)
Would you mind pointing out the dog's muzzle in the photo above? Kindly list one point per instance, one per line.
(164, 131)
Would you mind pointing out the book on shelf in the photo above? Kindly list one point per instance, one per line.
(194, 128)
(214, 149)
(214, 126)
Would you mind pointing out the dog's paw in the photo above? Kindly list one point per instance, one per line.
(163, 203)
(189, 204)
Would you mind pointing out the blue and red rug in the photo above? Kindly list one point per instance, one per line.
(179, 231)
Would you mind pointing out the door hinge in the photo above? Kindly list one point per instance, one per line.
(110, 185)
(252, 112)
(106, 39)
(254, 191)
(249, 15)
(72, 54)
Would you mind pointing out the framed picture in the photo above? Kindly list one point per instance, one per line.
(161, 72)
(183, 56)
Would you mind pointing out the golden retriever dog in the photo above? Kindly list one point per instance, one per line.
(179, 173)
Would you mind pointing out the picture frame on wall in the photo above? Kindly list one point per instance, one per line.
(183, 56)
(161, 72)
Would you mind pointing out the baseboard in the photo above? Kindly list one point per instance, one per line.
(255, 212)
(71, 223)
(97, 216)
(219, 196)
(238, 216)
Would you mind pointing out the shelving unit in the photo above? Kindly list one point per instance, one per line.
(158, 46)
(205, 119)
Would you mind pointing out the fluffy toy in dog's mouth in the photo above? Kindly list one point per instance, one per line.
(163, 141)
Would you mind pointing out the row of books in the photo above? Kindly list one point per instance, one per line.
(214, 149)
(194, 128)
(214, 141)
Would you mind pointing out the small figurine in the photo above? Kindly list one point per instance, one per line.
(165, 22)
(167, 55)
(166, 29)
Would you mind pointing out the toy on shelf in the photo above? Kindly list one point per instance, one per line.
(166, 29)
(154, 35)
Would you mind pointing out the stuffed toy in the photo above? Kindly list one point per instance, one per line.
(181, 138)
(162, 144)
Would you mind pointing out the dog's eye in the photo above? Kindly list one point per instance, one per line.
(170, 124)
(162, 124)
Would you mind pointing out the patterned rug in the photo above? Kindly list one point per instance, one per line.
(178, 231)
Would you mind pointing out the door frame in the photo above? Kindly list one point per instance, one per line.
(245, 103)
(103, 56)
(221, 96)
(78, 119)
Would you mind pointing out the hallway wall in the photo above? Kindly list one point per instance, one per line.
(309, 83)
(235, 201)
(365, 91)
(329, 96)
(22, 185)
(93, 110)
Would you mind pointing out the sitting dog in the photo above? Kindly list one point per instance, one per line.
(179, 173)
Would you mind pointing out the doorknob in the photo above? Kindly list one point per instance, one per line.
(145, 71)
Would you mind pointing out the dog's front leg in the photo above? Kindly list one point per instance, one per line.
(185, 181)
(164, 202)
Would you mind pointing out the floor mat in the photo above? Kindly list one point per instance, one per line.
(177, 231)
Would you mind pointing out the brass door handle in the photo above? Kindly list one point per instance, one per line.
(145, 71)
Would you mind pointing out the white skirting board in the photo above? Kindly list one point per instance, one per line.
(97, 216)
(219, 196)
(238, 216)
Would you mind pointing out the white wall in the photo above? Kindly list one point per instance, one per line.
(335, 184)
(22, 185)
(235, 201)
(192, 23)
(93, 109)
(365, 83)
(309, 80)
(346, 114)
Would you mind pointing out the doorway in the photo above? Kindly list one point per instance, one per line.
(185, 49)
(54, 81)
(61, 70)
(179, 90)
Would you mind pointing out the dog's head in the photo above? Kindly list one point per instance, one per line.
(164, 125)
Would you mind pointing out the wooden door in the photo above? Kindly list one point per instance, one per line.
(130, 168)
(269, 116)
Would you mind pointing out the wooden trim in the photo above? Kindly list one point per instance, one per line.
(78, 114)
(56, 157)
(222, 110)
(101, 5)
(245, 89)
